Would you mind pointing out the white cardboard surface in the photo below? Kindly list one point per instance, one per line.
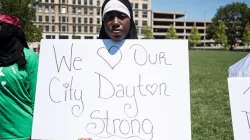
(139, 93)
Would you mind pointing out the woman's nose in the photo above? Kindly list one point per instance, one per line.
(116, 21)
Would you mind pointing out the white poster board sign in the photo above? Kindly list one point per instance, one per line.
(239, 91)
(138, 92)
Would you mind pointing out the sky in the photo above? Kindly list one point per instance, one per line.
(194, 9)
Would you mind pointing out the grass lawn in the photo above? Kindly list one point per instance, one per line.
(210, 107)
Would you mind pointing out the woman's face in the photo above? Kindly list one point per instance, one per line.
(116, 25)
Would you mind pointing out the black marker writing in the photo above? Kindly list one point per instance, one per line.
(70, 94)
(71, 61)
(247, 117)
(246, 90)
(106, 127)
(143, 57)
(108, 90)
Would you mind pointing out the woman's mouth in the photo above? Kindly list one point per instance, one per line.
(116, 31)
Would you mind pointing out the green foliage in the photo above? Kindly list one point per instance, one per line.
(25, 11)
(194, 37)
(210, 31)
(147, 33)
(220, 34)
(171, 34)
(246, 36)
(235, 16)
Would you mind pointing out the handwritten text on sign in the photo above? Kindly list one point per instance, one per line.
(106, 90)
(239, 89)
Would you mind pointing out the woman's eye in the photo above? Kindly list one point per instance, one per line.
(123, 16)
(109, 17)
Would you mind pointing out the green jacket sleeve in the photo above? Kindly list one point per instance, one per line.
(32, 68)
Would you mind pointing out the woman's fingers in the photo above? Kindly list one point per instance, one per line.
(85, 139)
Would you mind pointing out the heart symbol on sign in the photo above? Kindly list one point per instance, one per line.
(66, 85)
(3, 83)
(152, 88)
(111, 60)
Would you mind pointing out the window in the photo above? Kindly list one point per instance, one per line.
(85, 11)
(91, 29)
(64, 28)
(98, 29)
(79, 11)
(90, 2)
(98, 2)
(73, 1)
(144, 23)
(79, 2)
(40, 18)
(46, 9)
(144, 14)
(85, 2)
(98, 11)
(52, 1)
(76, 37)
(63, 19)
(74, 29)
(79, 20)
(52, 9)
(79, 29)
(63, 10)
(144, 6)
(74, 10)
(91, 11)
(63, 1)
(90, 20)
(88, 37)
(52, 18)
(47, 18)
(53, 28)
(48, 36)
(47, 28)
(136, 5)
(136, 13)
(40, 8)
(131, 5)
(63, 37)
(85, 29)
(98, 21)
(85, 20)
(47, 1)
(136, 22)
(74, 19)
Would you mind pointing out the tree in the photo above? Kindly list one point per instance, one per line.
(210, 31)
(194, 37)
(25, 11)
(246, 36)
(235, 16)
(171, 34)
(220, 34)
(147, 33)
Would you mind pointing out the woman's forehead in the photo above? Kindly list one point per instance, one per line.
(114, 12)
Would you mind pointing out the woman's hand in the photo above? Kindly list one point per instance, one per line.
(85, 139)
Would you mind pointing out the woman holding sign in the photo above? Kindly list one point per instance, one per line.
(18, 73)
(117, 23)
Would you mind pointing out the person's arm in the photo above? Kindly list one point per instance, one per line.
(32, 68)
